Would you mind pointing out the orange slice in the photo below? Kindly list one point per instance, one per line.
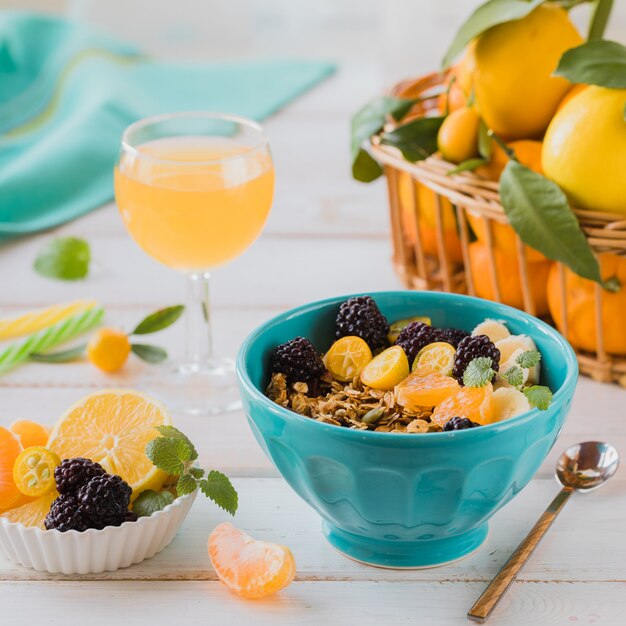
(33, 513)
(112, 428)
(425, 388)
(10, 448)
(347, 357)
(29, 433)
(475, 403)
(386, 370)
(250, 568)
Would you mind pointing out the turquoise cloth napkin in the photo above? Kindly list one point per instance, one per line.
(68, 91)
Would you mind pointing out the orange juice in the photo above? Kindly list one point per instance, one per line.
(194, 202)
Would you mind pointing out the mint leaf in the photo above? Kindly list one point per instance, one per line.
(467, 166)
(169, 454)
(149, 501)
(186, 484)
(489, 14)
(64, 259)
(596, 62)
(174, 433)
(478, 372)
(196, 472)
(529, 358)
(538, 396)
(514, 376)
(218, 488)
(416, 140)
(159, 320)
(63, 356)
(148, 353)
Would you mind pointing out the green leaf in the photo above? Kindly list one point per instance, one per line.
(170, 454)
(538, 396)
(417, 139)
(478, 372)
(485, 144)
(149, 502)
(159, 320)
(529, 358)
(64, 259)
(173, 433)
(64, 356)
(514, 376)
(599, 19)
(369, 121)
(489, 14)
(186, 484)
(218, 488)
(150, 354)
(541, 215)
(467, 166)
(596, 62)
(196, 472)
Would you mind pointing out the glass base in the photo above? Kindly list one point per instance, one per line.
(195, 388)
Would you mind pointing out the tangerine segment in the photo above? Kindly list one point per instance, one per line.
(33, 471)
(10, 448)
(30, 433)
(425, 388)
(250, 568)
(475, 403)
(112, 428)
(33, 513)
(386, 370)
(347, 357)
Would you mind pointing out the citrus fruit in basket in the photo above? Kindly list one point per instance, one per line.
(386, 370)
(347, 357)
(33, 512)
(250, 568)
(515, 91)
(474, 403)
(30, 433)
(10, 449)
(584, 151)
(33, 471)
(509, 280)
(425, 388)
(581, 318)
(113, 428)
(457, 139)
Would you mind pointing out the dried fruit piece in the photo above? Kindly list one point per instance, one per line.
(386, 370)
(425, 388)
(475, 403)
(438, 357)
(347, 357)
(33, 471)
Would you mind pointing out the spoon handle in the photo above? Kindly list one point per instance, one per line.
(498, 586)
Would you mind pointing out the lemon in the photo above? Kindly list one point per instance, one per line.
(33, 471)
(112, 428)
(397, 327)
(515, 91)
(347, 357)
(386, 370)
(436, 357)
(584, 151)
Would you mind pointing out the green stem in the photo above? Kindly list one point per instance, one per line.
(599, 19)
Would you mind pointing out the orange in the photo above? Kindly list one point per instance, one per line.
(108, 349)
(386, 370)
(425, 388)
(29, 433)
(33, 471)
(33, 513)
(475, 403)
(10, 448)
(250, 568)
(509, 280)
(581, 317)
(457, 139)
(113, 427)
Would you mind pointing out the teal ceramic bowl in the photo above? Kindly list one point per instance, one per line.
(399, 500)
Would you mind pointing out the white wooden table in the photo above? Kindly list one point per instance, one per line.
(327, 235)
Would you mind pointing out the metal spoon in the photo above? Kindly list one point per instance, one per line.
(583, 467)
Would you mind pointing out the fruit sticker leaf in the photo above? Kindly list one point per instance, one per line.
(489, 14)
(159, 320)
(478, 372)
(467, 166)
(596, 62)
(169, 454)
(149, 502)
(66, 258)
(173, 433)
(148, 353)
(218, 488)
(529, 358)
(541, 215)
(417, 139)
(369, 121)
(514, 376)
(186, 484)
(64, 356)
(538, 396)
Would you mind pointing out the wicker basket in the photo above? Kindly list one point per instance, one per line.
(428, 254)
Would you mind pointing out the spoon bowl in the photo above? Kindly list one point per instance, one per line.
(588, 465)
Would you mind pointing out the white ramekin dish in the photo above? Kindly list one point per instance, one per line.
(93, 551)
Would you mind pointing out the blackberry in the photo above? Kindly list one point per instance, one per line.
(459, 423)
(72, 474)
(454, 335)
(417, 335)
(66, 514)
(299, 361)
(470, 348)
(104, 500)
(361, 316)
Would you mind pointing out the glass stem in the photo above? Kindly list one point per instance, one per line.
(198, 340)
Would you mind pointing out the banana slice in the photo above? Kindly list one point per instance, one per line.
(494, 329)
(509, 402)
(510, 348)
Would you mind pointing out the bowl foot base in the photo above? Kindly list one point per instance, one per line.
(405, 554)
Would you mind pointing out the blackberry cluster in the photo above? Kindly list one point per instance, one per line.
(459, 423)
(299, 361)
(416, 336)
(360, 316)
(471, 348)
(89, 498)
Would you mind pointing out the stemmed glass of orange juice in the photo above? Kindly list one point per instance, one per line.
(194, 191)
